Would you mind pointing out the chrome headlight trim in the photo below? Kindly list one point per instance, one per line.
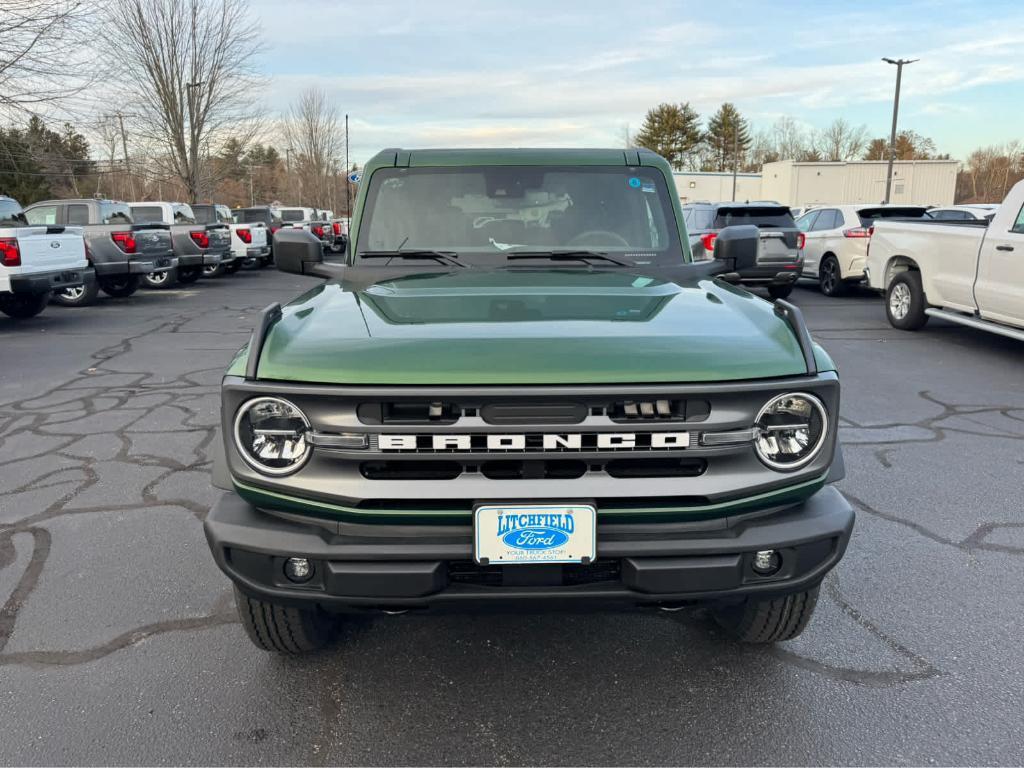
(243, 409)
(813, 453)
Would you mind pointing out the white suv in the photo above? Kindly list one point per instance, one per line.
(836, 241)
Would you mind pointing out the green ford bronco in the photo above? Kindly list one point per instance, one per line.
(517, 389)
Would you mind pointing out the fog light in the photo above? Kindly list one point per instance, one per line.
(298, 569)
(767, 562)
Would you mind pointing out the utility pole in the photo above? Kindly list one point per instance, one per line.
(124, 144)
(895, 113)
(252, 196)
(348, 169)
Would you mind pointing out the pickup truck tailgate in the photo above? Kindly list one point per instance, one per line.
(44, 249)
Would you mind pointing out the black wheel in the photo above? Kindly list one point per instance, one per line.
(159, 280)
(79, 296)
(233, 267)
(268, 261)
(830, 277)
(214, 270)
(252, 264)
(188, 275)
(905, 302)
(283, 629)
(22, 306)
(768, 621)
(120, 287)
(779, 291)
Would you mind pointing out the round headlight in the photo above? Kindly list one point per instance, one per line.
(271, 435)
(790, 430)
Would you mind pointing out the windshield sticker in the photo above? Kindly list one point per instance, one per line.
(648, 186)
(642, 282)
(635, 183)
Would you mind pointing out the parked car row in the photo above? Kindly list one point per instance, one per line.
(69, 251)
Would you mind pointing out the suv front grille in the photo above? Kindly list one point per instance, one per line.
(469, 572)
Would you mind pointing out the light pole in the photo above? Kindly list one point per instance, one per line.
(895, 113)
(193, 144)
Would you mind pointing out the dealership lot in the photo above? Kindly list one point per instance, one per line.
(119, 644)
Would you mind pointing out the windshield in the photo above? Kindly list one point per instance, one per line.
(484, 214)
(292, 214)
(116, 213)
(698, 218)
(204, 214)
(11, 214)
(766, 216)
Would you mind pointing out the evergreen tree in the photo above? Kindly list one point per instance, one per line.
(727, 139)
(671, 130)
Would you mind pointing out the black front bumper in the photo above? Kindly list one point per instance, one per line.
(400, 567)
(41, 282)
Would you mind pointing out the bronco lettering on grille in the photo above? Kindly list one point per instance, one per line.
(538, 441)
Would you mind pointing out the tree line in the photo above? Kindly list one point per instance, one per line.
(190, 121)
(677, 132)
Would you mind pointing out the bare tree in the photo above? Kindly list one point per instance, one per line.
(842, 141)
(316, 135)
(187, 68)
(41, 56)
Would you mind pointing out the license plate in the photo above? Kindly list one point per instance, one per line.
(513, 534)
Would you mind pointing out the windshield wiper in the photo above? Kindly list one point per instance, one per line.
(574, 255)
(445, 257)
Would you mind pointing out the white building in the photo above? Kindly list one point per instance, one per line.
(709, 187)
(915, 182)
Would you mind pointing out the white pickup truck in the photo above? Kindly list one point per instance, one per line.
(970, 272)
(35, 261)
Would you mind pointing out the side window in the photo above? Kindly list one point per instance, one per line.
(1018, 225)
(78, 215)
(44, 215)
(805, 222)
(827, 220)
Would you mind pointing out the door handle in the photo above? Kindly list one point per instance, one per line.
(1004, 247)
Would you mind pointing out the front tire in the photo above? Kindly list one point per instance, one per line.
(120, 287)
(905, 302)
(233, 267)
(22, 306)
(768, 621)
(283, 629)
(189, 275)
(830, 277)
(79, 296)
(780, 291)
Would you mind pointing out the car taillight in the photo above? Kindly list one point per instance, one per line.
(871, 230)
(709, 241)
(336, 226)
(317, 230)
(244, 235)
(125, 241)
(274, 229)
(801, 238)
(201, 239)
(10, 253)
(858, 232)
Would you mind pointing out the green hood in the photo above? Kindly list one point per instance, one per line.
(570, 326)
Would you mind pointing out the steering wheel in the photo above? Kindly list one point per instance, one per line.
(614, 238)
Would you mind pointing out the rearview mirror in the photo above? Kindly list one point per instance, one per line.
(737, 246)
(300, 252)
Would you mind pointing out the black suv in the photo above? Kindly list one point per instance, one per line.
(780, 255)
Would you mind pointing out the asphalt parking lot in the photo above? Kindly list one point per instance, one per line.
(119, 644)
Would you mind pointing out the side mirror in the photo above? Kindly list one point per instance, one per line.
(300, 252)
(737, 247)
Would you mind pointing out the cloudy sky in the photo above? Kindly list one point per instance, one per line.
(567, 73)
